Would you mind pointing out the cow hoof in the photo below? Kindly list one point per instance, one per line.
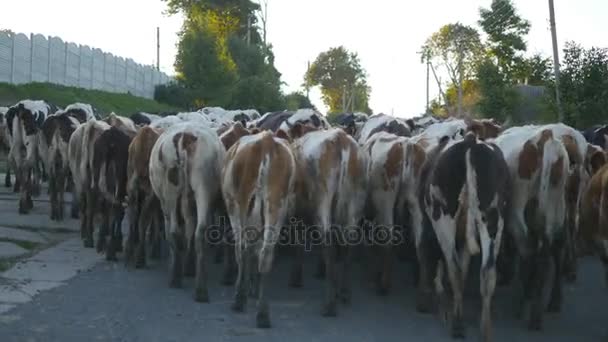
(295, 280)
(329, 310)
(238, 305)
(263, 320)
(8, 184)
(424, 302)
(458, 330)
(111, 257)
(101, 245)
(118, 246)
(23, 209)
(201, 296)
(88, 243)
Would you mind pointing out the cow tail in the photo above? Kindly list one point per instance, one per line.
(549, 204)
(472, 206)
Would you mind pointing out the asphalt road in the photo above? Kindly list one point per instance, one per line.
(111, 303)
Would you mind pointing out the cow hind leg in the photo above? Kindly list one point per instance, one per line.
(7, 177)
(60, 195)
(329, 254)
(488, 285)
(295, 275)
(201, 293)
(557, 251)
(428, 254)
(53, 199)
(104, 228)
(176, 243)
(541, 275)
(457, 322)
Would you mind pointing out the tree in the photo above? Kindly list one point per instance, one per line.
(506, 31)
(498, 97)
(584, 85)
(535, 70)
(217, 64)
(297, 100)
(458, 48)
(470, 99)
(342, 80)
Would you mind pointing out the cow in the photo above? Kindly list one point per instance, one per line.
(166, 122)
(83, 112)
(419, 124)
(5, 144)
(306, 117)
(122, 123)
(143, 119)
(258, 180)
(597, 135)
(185, 166)
(593, 217)
(394, 165)
(144, 206)
(330, 192)
(110, 158)
(351, 122)
(271, 121)
(53, 148)
(539, 166)
(81, 152)
(464, 195)
(382, 123)
(24, 120)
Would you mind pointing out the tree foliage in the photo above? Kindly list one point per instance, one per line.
(453, 44)
(342, 79)
(217, 64)
(297, 100)
(506, 30)
(584, 85)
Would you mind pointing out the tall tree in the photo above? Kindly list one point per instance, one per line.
(221, 59)
(506, 30)
(342, 80)
(456, 47)
(584, 85)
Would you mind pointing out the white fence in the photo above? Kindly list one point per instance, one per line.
(38, 59)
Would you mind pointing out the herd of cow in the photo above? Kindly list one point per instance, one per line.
(533, 196)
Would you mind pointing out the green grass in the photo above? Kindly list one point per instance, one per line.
(105, 102)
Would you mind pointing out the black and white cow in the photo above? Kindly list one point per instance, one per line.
(597, 135)
(464, 196)
(24, 120)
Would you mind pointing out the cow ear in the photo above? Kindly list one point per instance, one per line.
(254, 130)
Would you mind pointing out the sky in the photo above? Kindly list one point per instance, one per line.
(385, 33)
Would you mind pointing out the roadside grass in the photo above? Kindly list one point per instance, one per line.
(105, 102)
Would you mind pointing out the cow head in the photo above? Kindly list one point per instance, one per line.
(294, 131)
(233, 133)
(484, 128)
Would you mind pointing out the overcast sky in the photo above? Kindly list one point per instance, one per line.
(386, 34)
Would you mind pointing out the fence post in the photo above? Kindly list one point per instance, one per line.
(79, 62)
(13, 59)
(48, 74)
(92, 65)
(31, 57)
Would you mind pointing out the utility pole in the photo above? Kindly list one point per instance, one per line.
(344, 99)
(157, 48)
(428, 67)
(560, 111)
(439, 85)
(248, 29)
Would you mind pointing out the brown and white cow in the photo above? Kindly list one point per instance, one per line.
(53, 148)
(185, 166)
(5, 144)
(81, 151)
(593, 217)
(539, 166)
(330, 192)
(258, 188)
(110, 158)
(124, 124)
(144, 207)
(464, 193)
(394, 165)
